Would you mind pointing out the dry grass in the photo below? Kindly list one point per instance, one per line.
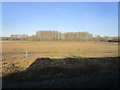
(61, 48)
(14, 52)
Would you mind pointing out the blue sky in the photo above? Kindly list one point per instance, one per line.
(98, 18)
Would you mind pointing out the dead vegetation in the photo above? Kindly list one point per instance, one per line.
(57, 59)
(64, 67)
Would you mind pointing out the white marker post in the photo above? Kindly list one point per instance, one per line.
(26, 54)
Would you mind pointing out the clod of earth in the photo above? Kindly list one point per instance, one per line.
(39, 59)
(70, 59)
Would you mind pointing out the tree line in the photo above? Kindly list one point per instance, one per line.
(55, 35)
(80, 36)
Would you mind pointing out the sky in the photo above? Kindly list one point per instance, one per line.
(98, 18)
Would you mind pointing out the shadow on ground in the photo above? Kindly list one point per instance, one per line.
(68, 72)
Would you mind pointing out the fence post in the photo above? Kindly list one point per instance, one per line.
(26, 54)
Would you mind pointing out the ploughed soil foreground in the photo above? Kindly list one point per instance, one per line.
(71, 72)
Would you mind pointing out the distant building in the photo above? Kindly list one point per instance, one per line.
(19, 36)
(4, 38)
(15, 37)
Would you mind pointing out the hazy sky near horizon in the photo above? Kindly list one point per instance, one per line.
(98, 18)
